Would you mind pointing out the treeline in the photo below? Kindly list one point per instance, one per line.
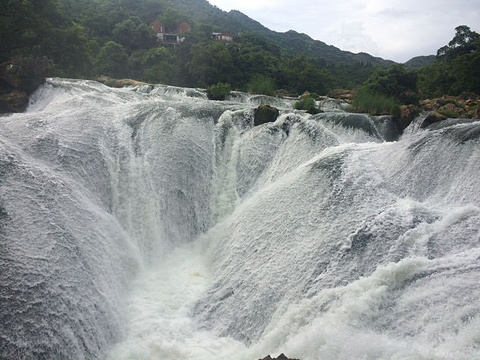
(457, 68)
(88, 38)
(455, 71)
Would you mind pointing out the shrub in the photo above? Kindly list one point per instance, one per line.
(218, 91)
(261, 84)
(375, 104)
(307, 104)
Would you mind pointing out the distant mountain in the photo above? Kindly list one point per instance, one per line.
(420, 61)
(302, 43)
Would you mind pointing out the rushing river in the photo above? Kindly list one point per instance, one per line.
(152, 223)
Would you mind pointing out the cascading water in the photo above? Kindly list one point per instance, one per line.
(151, 223)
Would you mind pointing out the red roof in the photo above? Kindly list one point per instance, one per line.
(183, 28)
(157, 26)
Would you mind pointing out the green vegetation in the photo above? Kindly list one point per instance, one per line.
(261, 84)
(88, 38)
(218, 92)
(395, 82)
(456, 70)
(374, 103)
(307, 104)
(385, 90)
(457, 67)
(449, 113)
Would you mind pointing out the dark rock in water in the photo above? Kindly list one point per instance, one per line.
(18, 79)
(265, 114)
(432, 119)
(406, 114)
(354, 121)
(14, 101)
(280, 357)
(388, 127)
(476, 114)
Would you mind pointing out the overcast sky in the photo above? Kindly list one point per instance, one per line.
(392, 29)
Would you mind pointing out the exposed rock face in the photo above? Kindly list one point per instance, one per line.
(406, 115)
(264, 114)
(280, 357)
(118, 83)
(342, 94)
(13, 101)
(432, 118)
(18, 79)
(464, 106)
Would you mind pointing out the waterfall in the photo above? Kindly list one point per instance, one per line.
(151, 223)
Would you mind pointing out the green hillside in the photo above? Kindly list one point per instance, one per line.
(87, 38)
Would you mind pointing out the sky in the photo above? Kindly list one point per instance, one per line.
(392, 29)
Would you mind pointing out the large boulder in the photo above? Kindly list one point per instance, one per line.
(433, 118)
(265, 114)
(405, 115)
(13, 101)
(18, 79)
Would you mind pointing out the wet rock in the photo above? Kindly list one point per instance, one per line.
(405, 115)
(433, 118)
(476, 114)
(265, 114)
(13, 101)
(280, 357)
(282, 93)
(18, 79)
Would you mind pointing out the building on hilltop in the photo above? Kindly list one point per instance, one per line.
(167, 36)
(223, 37)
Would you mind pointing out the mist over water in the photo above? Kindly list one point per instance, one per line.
(151, 223)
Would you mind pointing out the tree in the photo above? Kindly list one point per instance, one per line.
(210, 63)
(396, 82)
(160, 66)
(302, 75)
(464, 42)
(133, 34)
(457, 68)
(112, 60)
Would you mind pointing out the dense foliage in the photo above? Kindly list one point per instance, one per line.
(457, 67)
(88, 38)
(218, 91)
(307, 103)
(367, 101)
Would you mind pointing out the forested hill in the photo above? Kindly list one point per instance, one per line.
(302, 43)
(87, 38)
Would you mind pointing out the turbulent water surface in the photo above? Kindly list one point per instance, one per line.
(151, 223)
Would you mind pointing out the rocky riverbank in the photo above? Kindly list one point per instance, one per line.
(465, 106)
(19, 78)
